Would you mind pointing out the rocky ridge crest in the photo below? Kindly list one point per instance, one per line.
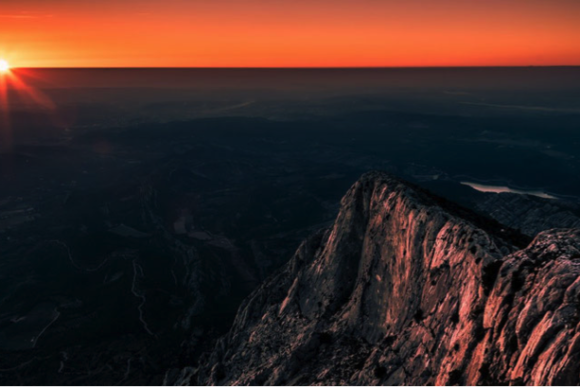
(407, 289)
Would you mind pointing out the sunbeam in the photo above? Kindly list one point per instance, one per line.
(12, 84)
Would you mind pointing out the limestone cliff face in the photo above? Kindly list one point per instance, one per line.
(408, 289)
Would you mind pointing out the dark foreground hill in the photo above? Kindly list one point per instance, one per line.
(405, 288)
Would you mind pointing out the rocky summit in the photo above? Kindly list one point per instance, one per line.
(408, 289)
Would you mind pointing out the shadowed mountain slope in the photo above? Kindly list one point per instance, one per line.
(406, 288)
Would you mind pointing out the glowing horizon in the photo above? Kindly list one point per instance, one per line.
(301, 34)
(282, 67)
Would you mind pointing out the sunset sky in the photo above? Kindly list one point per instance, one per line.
(280, 33)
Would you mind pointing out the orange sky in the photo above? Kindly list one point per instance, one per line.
(284, 33)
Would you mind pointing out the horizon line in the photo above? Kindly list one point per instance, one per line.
(279, 67)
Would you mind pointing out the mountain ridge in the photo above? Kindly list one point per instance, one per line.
(402, 289)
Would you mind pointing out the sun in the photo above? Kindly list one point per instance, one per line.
(4, 66)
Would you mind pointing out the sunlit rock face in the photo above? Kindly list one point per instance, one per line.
(407, 289)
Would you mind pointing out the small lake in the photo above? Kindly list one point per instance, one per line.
(503, 189)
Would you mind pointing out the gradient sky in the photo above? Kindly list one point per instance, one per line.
(281, 33)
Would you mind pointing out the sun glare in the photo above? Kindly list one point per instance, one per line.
(4, 66)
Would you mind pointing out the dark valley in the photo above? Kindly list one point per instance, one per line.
(186, 226)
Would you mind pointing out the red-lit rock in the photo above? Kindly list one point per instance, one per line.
(406, 288)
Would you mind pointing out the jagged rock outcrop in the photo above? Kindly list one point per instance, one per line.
(408, 289)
